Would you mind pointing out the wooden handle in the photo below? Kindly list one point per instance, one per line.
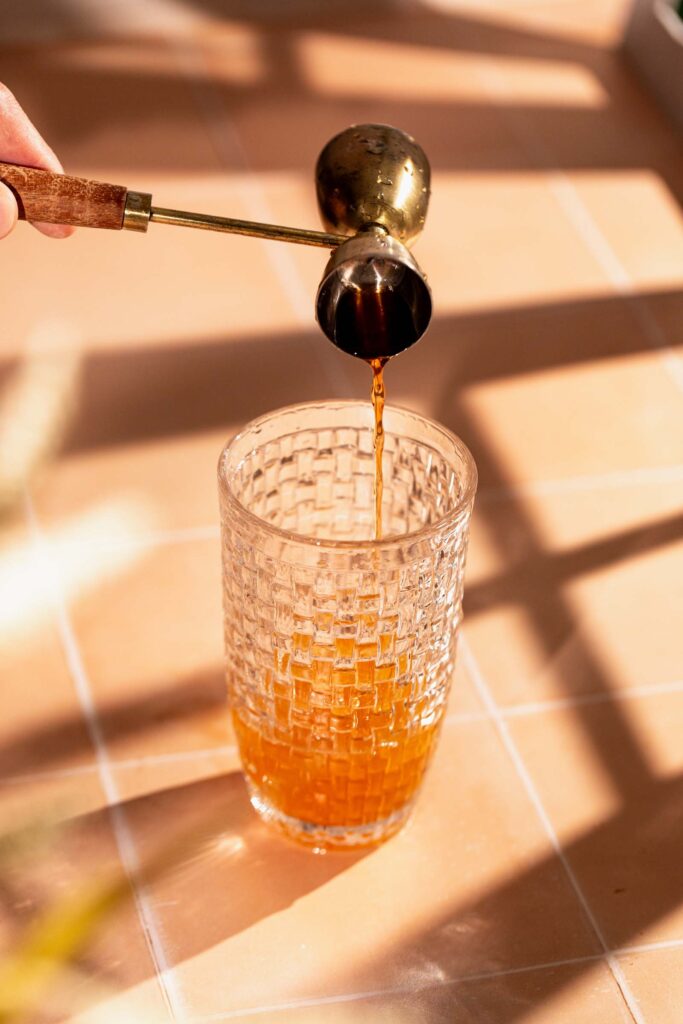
(62, 199)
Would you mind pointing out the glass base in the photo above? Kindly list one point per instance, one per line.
(320, 838)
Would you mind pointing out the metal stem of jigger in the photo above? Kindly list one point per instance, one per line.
(373, 184)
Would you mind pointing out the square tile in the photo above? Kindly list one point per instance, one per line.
(60, 861)
(531, 390)
(560, 995)
(613, 797)
(287, 928)
(151, 642)
(42, 725)
(151, 425)
(648, 243)
(656, 979)
(576, 592)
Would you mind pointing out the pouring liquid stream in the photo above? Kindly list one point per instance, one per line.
(376, 319)
(377, 396)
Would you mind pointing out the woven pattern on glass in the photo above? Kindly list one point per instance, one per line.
(339, 660)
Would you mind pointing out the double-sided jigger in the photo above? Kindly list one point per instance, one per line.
(372, 184)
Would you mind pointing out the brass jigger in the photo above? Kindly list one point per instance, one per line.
(373, 184)
(373, 188)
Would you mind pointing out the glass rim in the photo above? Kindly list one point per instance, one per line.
(322, 543)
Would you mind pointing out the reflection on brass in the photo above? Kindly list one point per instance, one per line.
(373, 174)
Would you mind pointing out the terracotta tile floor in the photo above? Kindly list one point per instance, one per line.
(539, 880)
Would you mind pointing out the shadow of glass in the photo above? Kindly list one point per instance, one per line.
(226, 870)
(208, 866)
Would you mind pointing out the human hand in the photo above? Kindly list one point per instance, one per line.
(20, 143)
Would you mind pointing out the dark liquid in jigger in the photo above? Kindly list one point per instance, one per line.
(374, 324)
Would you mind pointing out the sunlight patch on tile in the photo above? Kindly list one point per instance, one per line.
(353, 66)
(243, 62)
(649, 241)
(26, 596)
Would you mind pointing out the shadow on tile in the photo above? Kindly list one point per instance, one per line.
(179, 388)
(537, 573)
(200, 847)
(212, 871)
(586, 138)
(46, 747)
(628, 868)
(221, 872)
(224, 869)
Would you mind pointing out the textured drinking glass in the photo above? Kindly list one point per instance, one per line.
(340, 649)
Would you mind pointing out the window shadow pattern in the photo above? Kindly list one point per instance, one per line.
(579, 139)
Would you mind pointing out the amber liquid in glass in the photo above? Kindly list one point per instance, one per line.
(348, 747)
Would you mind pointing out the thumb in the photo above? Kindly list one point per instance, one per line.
(8, 211)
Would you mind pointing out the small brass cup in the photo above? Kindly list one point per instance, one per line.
(372, 183)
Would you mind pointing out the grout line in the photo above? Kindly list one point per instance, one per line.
(533, 795)
(613, 697)
(649, 947)
(541, 707)
(466, 717)
(528, 709)
(586, 227)
(227, 749)
(123, 836)
(349, 997)
(586, 482)
(181, 535)
(645, 476)
(228, 146)
(124, 764)
(154, 539)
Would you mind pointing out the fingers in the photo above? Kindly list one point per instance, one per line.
(8, 211)
(21, 143)
(54, 230)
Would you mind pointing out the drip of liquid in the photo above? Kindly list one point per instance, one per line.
(377, 395)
